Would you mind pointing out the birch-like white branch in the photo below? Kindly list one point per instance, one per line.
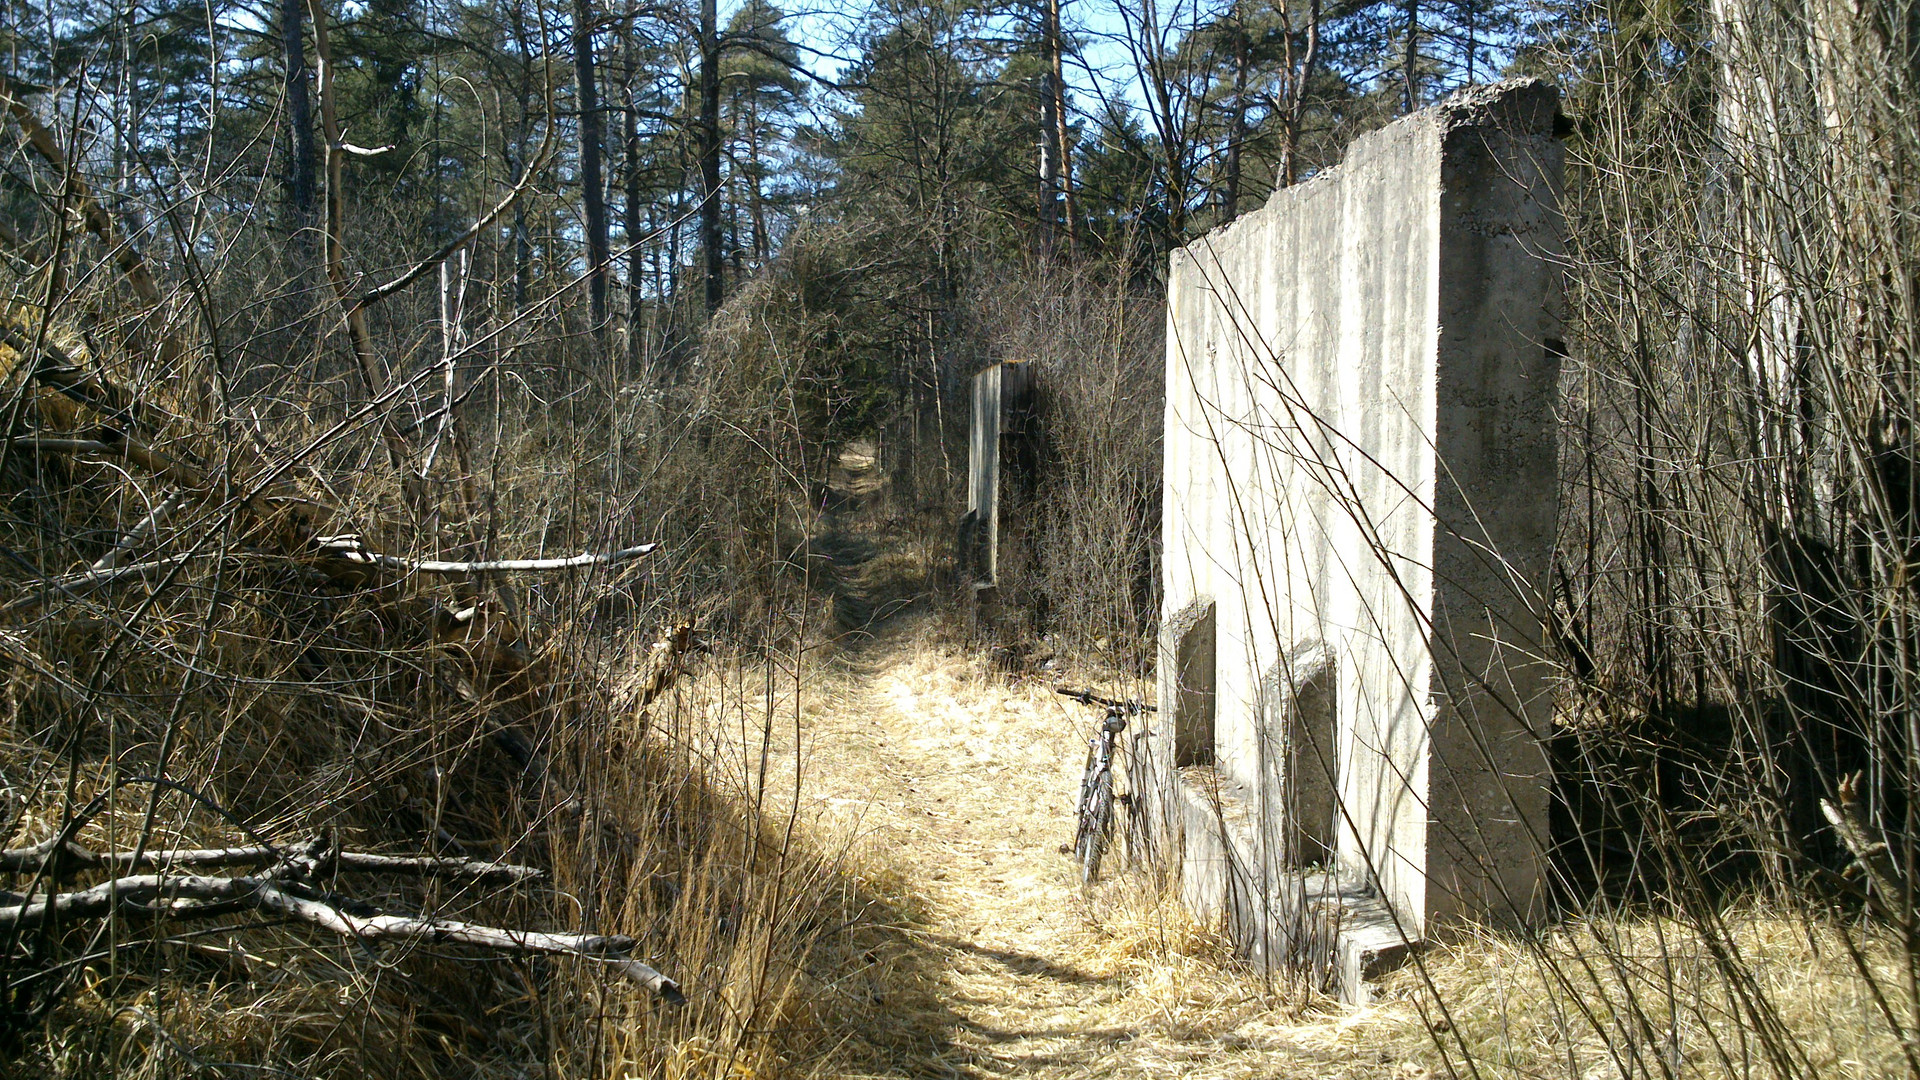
(188, 895)
(351, 548)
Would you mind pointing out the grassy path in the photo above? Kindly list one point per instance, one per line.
(962, 782)
(950, 787)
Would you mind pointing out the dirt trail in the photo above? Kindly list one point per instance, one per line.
(964, 782)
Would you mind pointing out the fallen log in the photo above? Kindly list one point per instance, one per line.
(190, 895)
(351, 548)
(63, 859)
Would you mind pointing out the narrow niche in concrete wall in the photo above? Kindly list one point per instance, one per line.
(1301, 700)
(1193, 706)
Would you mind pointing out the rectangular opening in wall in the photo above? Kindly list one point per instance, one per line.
(1193, 704)
(1300, 694)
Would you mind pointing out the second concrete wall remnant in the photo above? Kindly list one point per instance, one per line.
(1002, 415)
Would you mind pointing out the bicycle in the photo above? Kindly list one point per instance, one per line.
(1094, 810)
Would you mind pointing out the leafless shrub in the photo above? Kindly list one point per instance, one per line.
(1733, 608)
(1090, 572)
(220, 629)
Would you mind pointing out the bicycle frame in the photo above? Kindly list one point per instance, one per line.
(1093, 810)
(1100, 750)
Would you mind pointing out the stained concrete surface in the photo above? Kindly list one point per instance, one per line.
(1359, 505)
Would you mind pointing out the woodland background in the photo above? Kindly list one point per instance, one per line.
(307, 300)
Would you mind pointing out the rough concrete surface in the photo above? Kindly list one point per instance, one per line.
(1360, 488)
(1001, 401)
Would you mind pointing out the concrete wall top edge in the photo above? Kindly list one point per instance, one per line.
(1522, 106)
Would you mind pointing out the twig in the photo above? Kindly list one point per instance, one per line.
(86, 581)
(141, 532)
(345, 548)
(1871, 855)
(480, 224)
(55, 445)
(45, 143)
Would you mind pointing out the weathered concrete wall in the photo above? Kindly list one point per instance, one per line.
(1002, 403)
(1360, 480)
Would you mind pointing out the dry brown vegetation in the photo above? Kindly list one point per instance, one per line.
(839, 837)
(254, 605)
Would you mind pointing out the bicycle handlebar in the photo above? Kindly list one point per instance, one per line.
(1088, 697)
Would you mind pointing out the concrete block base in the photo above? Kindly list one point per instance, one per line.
(1335, 935)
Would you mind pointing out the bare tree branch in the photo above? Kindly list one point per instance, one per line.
(72, 857)
(190, 895)
(351, 549)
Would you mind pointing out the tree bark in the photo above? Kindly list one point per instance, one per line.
(1299, 78)
(301, 159)
(1411, 58)
(1061, 134)
(756, 196)
(712, 248)
(1048, 210)
(1237, 119)
(630, 210)
(593, 194)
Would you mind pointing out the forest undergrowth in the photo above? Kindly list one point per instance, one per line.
(418, 659)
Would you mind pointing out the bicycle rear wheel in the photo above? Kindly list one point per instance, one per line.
(1096, 824)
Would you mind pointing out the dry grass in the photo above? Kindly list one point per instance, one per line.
(919, 753)
(958, 778)
(279, 705)
(849, 856)
(1623, 997)
(1642, 996)
(778, 941)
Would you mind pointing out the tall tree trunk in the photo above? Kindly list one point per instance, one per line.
(1061, 133)
(593, 193)
(1237, 119)
(1047, 210)
(1047, 205)
(735, 247)
(517, 154)
(1299, 78)
(301, 157)
(630, 211)
(1411, 59)
(713, 250)
(756, 198)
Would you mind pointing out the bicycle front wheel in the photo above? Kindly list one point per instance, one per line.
(1096, 824)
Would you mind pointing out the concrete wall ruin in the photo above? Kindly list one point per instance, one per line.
(996, 436)
(1359, 508)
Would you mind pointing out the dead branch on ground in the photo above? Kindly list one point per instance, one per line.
(63, 859)
(1870, 855)
(285, 889)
